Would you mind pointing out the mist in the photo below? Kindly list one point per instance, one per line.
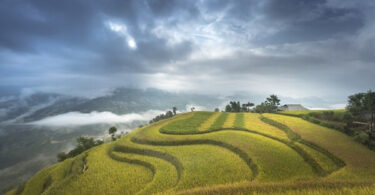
(94, 117)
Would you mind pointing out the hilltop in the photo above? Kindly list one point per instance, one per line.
(216, 152)
(26, 149)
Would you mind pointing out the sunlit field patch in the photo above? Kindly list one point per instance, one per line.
(219, 122)
(208, 123)
(229, 122)
(325, 162)
(360, 161)
(252, 121)
(189, 125)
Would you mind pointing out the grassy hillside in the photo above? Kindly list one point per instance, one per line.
(211, 153)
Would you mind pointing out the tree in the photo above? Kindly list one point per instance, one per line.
(264, 107)
(83, 143)
(362, 106)
(273, 100)
(246, 107)
(61, 156)
(98, 142)
(168, 114)
(270, 105)
(192, 109)
(217, 110)
(112, 132)
(370, 104)
(174, 110)
(234, 106)
(228, 108)
(356, 104)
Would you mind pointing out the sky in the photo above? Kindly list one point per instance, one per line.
(292, 48)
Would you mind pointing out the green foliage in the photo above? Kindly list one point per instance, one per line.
(268, 106)
(362, 137)
(362, 104)
(112, 130)
(61, 156)
(168, 114)
(273, 100)
(83, 144)
(234, 106)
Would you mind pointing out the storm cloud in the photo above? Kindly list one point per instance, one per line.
(294, 48)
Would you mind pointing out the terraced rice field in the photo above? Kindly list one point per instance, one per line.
(217, 153)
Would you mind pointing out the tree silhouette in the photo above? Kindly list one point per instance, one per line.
(112, 132)
(174, 110)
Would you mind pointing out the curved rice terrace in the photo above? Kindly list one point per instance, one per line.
(211, 153)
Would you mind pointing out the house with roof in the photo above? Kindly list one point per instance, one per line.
(287, 107)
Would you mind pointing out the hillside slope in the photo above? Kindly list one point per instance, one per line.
(209, 153)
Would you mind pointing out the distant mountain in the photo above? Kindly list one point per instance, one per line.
(121, 101)
(25, 108)
(126, 100)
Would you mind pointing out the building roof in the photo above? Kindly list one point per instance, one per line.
(292, 107)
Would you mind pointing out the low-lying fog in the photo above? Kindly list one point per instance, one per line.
(78, 118)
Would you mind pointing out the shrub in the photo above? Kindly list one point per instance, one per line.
(84, 143)
(168, 114)
(362, 137)
(328, 115)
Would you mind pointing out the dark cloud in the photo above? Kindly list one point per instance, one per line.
(293, 10)
(161, 8)
(26, 24)
(303, 20)
(191, 45)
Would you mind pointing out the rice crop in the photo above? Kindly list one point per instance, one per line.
(217, 153)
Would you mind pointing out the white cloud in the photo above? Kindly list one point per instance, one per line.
(115, 27)
(132, 44)
(78, 118)
(122, 31)
(197, 107)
